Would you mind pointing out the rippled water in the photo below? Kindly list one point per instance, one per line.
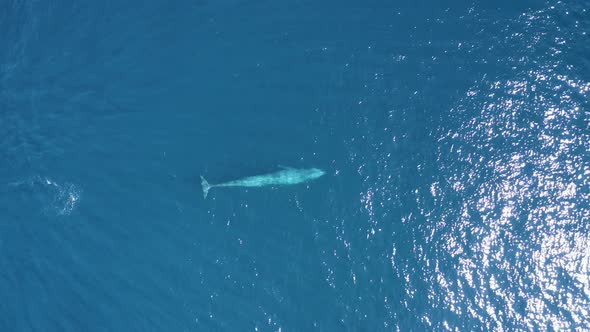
(455, 138)
(500, 221)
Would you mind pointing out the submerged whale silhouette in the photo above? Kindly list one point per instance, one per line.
(286, 176)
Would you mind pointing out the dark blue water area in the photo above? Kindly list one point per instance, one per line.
(455, 137)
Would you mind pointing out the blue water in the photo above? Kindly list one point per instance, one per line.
(455, 136)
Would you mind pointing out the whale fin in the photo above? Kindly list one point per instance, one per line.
(206, 186)
(285, 167)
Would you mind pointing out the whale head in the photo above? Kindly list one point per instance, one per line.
(315, 173)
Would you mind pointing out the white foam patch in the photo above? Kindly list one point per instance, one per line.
(55, 198)
(66, 198)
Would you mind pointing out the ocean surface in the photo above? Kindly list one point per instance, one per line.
(455, 136)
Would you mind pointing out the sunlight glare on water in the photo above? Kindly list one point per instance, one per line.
(501, 233)
(519, 171)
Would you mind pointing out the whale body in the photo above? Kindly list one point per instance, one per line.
(286, 176)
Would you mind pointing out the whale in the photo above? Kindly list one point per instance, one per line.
(285, 176)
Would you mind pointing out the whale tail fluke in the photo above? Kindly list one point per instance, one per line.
(206, 186)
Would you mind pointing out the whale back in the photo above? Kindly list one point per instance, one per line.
(286, 176)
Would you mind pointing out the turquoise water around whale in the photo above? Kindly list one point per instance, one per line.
(455, 137)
